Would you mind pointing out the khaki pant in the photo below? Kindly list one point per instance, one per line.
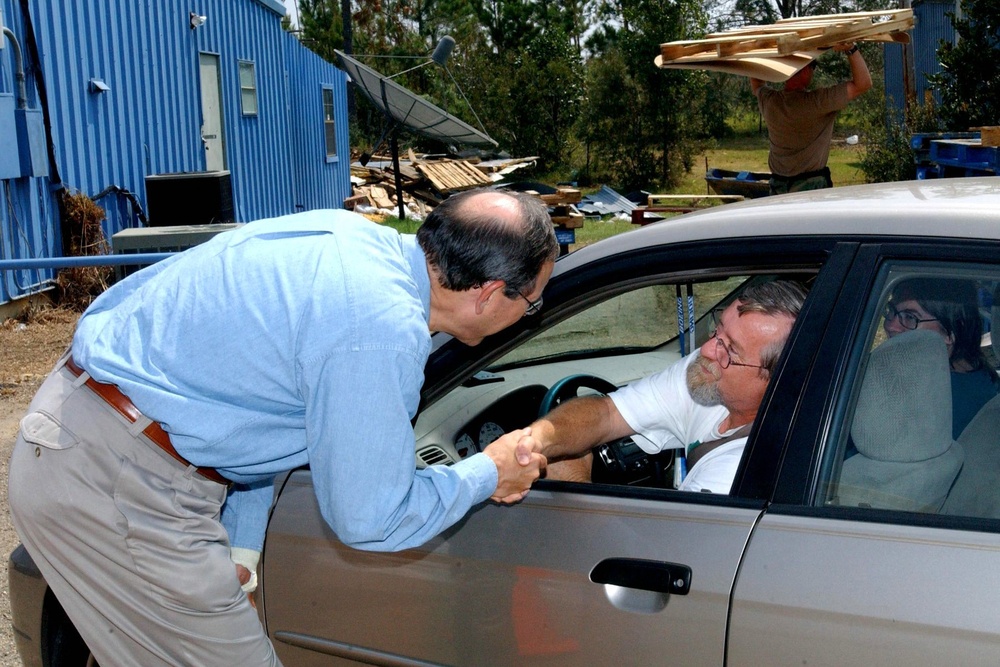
(128, 539)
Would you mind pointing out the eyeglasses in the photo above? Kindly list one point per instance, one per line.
(908, 319)
(723, 355)
(533, 306)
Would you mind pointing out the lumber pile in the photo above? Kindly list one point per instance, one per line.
(429, 180)
(448, 176)
(775, 52)
(426, 180)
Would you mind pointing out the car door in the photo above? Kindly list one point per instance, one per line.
(576, 573)
(831, 577)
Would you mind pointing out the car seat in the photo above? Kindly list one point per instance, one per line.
(906, 457)
(977, 490)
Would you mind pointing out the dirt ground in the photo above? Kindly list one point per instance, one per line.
(28, 350)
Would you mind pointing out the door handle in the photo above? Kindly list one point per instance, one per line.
(648, 575)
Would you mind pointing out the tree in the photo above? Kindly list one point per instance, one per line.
(640, 120)
(321, 27)
(969, 81)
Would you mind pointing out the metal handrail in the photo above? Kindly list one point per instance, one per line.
(89, 260)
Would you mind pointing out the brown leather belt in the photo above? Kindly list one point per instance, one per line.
(123, 406)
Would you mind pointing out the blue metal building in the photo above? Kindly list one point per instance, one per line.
(124, 94)
(907, 67)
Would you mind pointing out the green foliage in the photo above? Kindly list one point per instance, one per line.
(969, 81)
(887, 155)
(598, 112)
(322, 27)
(639, 122)
(530, 97)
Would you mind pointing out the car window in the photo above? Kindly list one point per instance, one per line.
(614, 342)
(645, 318)
(924, 426)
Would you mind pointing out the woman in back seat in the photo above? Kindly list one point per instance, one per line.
(949, 307)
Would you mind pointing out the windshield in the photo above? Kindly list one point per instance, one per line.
(642, 319)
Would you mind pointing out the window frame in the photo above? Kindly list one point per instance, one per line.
(581, 286)
(329, 123)
(890, 273)
(248, 90)
(835, 375)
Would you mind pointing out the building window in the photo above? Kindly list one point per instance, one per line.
(329, 126)
(248, 88)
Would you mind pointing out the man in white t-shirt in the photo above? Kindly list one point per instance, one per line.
(704, 403)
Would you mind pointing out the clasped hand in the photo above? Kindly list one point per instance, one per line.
(518, 465)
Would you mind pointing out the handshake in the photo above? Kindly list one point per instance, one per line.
(519, 463)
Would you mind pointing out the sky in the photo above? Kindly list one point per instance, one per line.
(292, 7)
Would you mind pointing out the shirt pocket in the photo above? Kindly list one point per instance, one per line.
(44, 430)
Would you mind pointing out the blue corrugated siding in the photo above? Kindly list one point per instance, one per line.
(318, 183)
(935, 27)
(26, 208)
(932, 25)
(150, 120)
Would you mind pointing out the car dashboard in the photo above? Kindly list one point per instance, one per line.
(474, 414)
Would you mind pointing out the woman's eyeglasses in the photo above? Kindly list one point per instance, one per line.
(907, 319)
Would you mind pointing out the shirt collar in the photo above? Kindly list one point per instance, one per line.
(418, 269)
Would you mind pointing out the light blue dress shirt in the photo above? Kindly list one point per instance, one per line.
(288, 341)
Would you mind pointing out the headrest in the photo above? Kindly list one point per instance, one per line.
(904, 409)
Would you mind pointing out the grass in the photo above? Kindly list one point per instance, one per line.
(748, 153)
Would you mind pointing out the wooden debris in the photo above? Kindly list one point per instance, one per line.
(563, 195)
(567, 217)
(447, 176)
(990, 135)
(428, 181)
(677, 204)
(380, 197)
(803, 38)
(359, 199)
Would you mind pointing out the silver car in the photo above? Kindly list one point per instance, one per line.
(863, 526)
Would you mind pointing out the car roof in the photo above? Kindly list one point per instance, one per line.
(954, 208)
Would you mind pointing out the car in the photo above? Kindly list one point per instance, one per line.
(841, 541)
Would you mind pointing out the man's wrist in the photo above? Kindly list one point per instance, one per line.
(851, 51)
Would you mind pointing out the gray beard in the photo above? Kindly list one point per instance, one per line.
(703, 391)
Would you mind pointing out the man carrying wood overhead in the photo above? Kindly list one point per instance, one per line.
(800, 123)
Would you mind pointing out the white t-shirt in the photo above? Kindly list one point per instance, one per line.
(663, 414)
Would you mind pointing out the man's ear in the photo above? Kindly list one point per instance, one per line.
(486, 293)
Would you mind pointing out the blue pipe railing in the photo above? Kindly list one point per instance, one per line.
(90, 260)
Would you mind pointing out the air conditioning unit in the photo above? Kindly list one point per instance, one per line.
(189, 198)
(142, 240)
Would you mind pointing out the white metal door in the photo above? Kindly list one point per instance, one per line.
(212, 137)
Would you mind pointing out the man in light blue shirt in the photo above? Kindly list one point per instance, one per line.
(292, 341)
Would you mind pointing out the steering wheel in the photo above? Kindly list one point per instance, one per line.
(619, 461)
(569, 386)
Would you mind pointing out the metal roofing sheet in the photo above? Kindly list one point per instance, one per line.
(605, 202)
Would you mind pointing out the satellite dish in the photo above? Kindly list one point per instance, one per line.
(407, 109)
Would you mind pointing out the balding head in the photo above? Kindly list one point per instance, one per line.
(481, 235)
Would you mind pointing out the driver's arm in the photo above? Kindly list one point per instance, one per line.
(577, 425)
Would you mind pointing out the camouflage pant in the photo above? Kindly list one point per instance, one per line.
(781, 185)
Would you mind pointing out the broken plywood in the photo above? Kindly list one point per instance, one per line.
(452, 175)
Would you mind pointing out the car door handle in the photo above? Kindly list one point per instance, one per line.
(648, 575)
